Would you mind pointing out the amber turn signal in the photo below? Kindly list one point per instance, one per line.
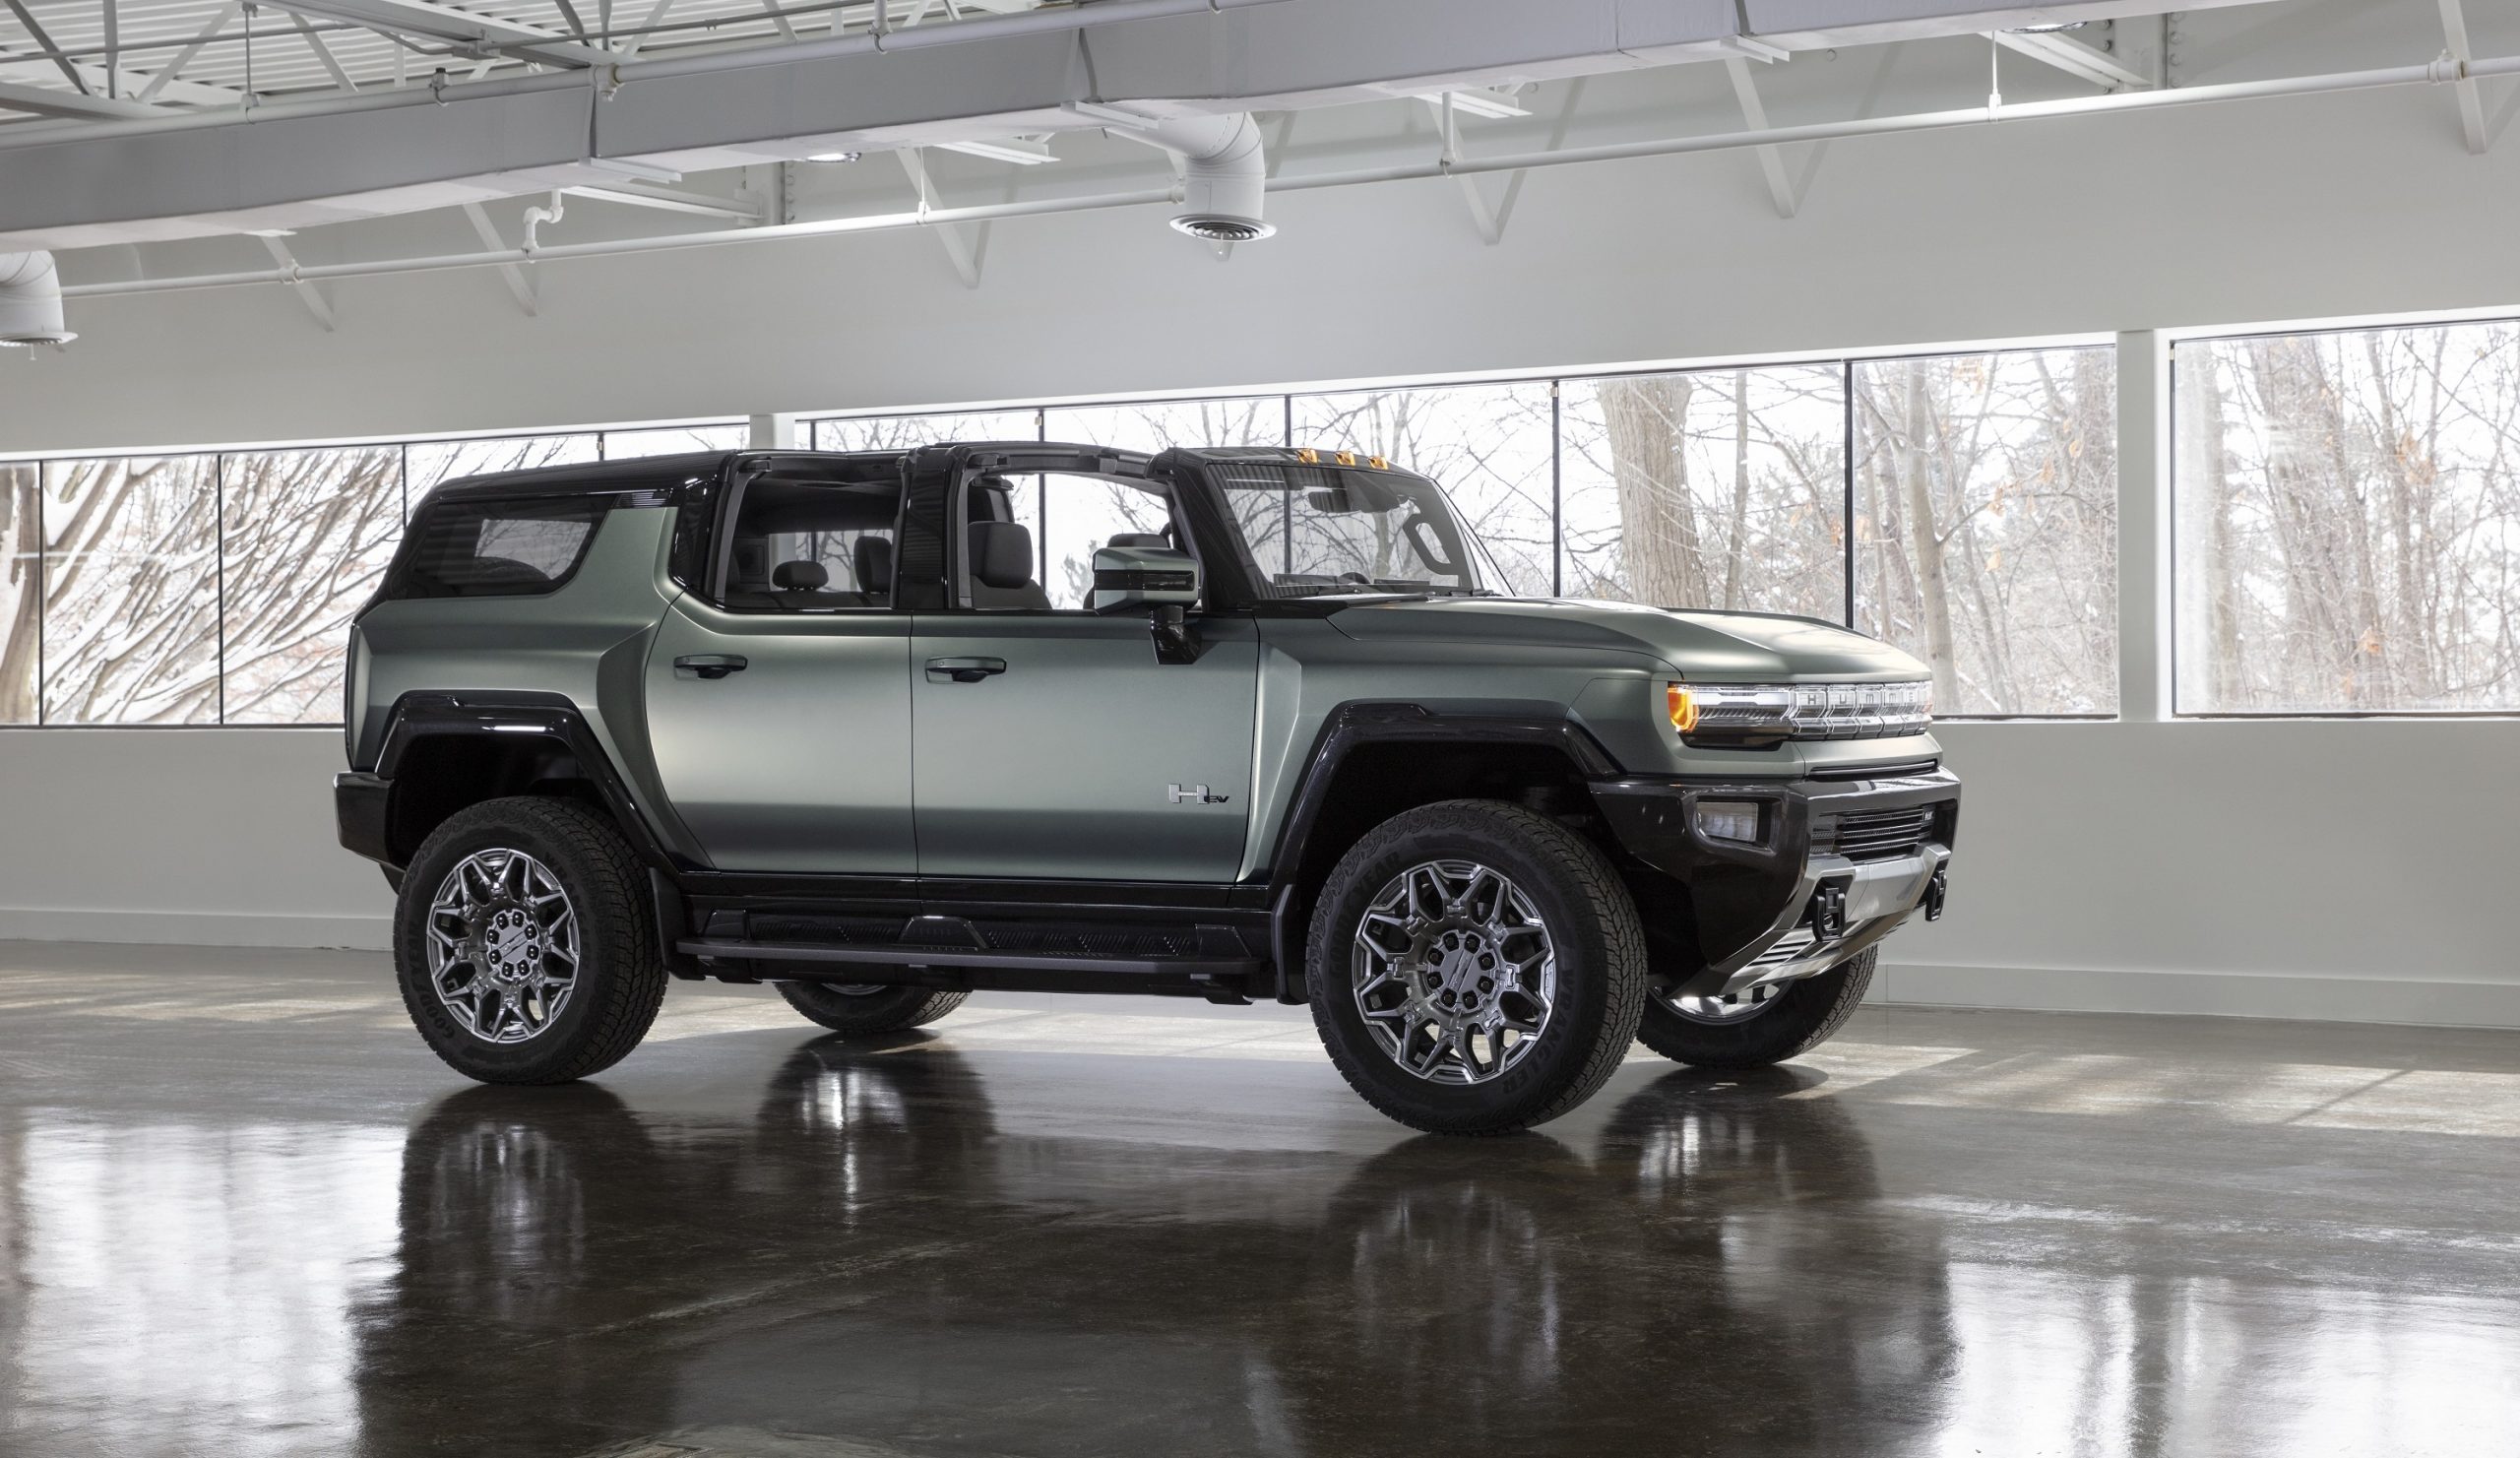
(1683, 707)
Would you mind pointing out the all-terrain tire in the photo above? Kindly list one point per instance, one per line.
(1590, 921)
(883, 1010)
(1796, 1019)
(619, 981)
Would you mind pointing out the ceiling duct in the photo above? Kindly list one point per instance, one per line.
(1224, 172)
(31, 300)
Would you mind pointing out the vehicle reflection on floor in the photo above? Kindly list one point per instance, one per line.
(870, 1256)
(246, 1216)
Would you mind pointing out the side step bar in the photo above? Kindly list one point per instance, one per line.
(960, 957)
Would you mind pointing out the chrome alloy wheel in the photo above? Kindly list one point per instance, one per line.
(1729, 1007)
(1454, 971)
(503, 945)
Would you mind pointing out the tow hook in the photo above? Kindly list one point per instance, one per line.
(1829, 911)
(1935, 890)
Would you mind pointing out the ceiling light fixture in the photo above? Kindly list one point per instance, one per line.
(832, 157)
(1024, 152)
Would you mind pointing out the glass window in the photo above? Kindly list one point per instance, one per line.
(1317, 531)
(1714, 489)
(427, 462)
(2348, 522)
(1259, 421)
(1490, 447)
(1080, 514)
(806, 545)
(675, 440)
(1987, 525)
(308, 537)
(131, 591)
(21, 591)
(498, 548)
(908, 432)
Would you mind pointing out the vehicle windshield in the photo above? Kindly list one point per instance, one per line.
(1311, 530)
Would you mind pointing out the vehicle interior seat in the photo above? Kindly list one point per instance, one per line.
(1001, 568)
(872, 557)
(805, 585)
(1140, 539)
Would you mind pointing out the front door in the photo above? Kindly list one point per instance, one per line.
(1050, 742)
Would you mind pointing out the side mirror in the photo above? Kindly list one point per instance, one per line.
(1135, 578)
(1157, 581)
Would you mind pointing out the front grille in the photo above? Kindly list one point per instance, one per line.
(1875, 834)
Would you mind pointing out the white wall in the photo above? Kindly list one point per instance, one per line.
(2330, 869)
(197, 835)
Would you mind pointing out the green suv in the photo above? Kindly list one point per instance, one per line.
(886, 727)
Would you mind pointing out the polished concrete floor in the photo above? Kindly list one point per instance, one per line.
(242, 1211)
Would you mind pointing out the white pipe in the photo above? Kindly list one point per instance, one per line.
(31, 300)
(1612, 152)
(1223, 173)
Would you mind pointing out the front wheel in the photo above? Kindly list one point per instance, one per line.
(1763, 1026)
(524, 943)
(1474, 967)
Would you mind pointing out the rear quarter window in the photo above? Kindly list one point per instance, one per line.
(497, 548)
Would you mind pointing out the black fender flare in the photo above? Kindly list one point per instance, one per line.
(422, 716)
(1360, 721)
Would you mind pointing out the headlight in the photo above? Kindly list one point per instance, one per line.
(1760, 714)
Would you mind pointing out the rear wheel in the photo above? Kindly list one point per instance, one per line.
(524, 945)
(1766, 1025)
(1474, 967)
(868, 1008)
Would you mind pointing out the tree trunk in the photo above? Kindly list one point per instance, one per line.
(1916, 480)
(1659, 545)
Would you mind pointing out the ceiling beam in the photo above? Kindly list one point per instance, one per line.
(961, 248)
(324, 53)
(520, 286)
(193, 47)
(2454, 31)
(461, 28)
(1746, 91)
(2075, 59)
(43, 44)
(307, 293)
(46, 101)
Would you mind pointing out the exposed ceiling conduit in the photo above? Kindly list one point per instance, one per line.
(31, 300)
(1224, 172)
(2433, 73)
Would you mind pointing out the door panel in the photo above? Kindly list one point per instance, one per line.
(799, 761)
(1062, 763)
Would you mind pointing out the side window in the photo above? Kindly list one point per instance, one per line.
(1059, 522)
(498, 547)
(805, 546)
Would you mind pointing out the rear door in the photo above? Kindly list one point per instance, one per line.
(1050, 742)
(779, 690)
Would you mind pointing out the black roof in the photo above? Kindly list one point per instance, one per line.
(662, 473)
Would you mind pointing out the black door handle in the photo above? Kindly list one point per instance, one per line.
(712, 664)
(963, 671)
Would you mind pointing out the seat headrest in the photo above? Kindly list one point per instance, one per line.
(800, 577)
(1139, 539)
(1001, 554)
(873, 557)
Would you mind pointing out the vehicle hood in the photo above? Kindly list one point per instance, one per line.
(1714, 647)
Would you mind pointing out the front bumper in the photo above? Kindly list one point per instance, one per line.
(1841, 863)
